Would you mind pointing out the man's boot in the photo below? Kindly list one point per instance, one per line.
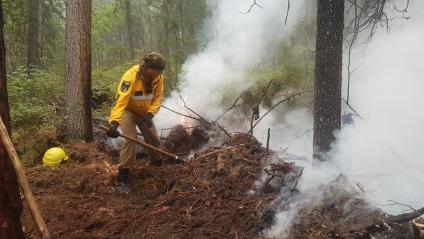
(122, 180)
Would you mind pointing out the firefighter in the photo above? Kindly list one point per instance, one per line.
(139, 97)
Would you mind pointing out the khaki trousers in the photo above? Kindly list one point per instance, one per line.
(128, 151)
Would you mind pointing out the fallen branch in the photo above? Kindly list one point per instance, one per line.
(23, 182)
(203, 119)
(251, 6)
(398, 219)
(406, 217)
(287, 13)
(233, 105)
(219, 151)
(184, 115)
(255, 109)
(224, 130)
(351, 108)
(194, 112)
(267, 141)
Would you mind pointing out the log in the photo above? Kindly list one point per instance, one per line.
(23, 182)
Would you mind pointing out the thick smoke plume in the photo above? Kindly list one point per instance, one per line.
(384, 152)
(237, 44)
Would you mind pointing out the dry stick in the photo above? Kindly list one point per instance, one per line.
(205, 121)
(151, 147)
(251, 6)
(406, 217)
(178, 113)
(277, 104)
(194, 112)
(402, 218)
(252, 119)
(255, 110)
(224, 130)
(189, 127)
(23, 182)
(354, 111)
(234, 104)
(267, 141)
(401, 204)
(265, 93)
(219, 151)
(287, 13)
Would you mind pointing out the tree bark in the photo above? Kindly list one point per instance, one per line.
(34, 25)
(129, 29)
(78, 125)
(328, 74)
(10, 201)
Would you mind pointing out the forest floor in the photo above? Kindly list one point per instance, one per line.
(231, 191)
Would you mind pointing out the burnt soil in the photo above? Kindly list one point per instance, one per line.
(209, 197)
(220, 192)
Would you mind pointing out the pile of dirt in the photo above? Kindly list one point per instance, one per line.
(344, 214)
(180, 141)
(216, 194)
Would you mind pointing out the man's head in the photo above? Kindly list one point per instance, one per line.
(152, 64)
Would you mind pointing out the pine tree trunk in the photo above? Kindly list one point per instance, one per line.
(34, 25)
(129, 29)
(10, 200)
(328, 74)
(164, 41)
(77, 95)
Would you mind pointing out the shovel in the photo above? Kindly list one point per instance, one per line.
(144, 144)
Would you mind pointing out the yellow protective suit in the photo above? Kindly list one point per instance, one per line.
(132, 96)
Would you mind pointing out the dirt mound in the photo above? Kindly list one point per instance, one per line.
(181, 142)
(216, 194)
(344, 214)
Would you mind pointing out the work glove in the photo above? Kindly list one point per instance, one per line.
(148, 119)
(113, 130)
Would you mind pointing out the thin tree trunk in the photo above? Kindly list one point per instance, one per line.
(10, 200)
(34, 25)
(129, 29)
(328, 74)
(164, 41)
(77, 94)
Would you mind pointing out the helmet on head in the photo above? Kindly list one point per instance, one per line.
(153, 60)
(54, 156)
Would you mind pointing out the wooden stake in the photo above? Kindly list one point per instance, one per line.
(23, 182)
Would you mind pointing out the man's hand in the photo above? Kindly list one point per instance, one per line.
(148, 119)
(113, 130)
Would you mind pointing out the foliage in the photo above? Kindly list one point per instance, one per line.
(291, 68)
(108, 22)
(34, 101)
(171, 27)
(15, 28)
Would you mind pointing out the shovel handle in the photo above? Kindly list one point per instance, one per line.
(142, 143)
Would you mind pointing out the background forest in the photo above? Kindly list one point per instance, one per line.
(122, 30)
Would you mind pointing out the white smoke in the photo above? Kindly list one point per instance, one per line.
(384, 152)
(238, 43)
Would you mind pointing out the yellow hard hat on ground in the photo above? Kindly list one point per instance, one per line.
(54, 156)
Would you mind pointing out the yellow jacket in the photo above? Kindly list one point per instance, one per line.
(132, 96)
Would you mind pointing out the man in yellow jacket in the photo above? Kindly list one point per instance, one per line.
(139, 97)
